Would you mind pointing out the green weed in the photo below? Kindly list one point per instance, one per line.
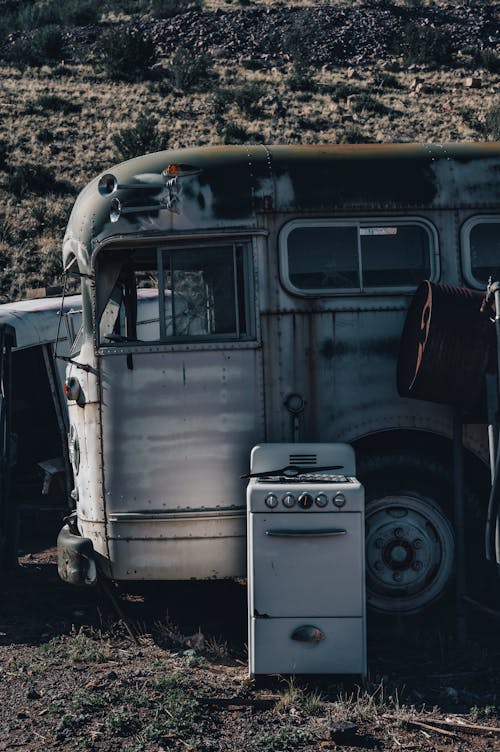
(310, 702)
(283, 739)
(122, 723)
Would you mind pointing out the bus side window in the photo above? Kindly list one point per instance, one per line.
(356, 256)
(481, 249)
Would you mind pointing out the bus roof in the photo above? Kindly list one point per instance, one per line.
(225, 188)
(36, 322)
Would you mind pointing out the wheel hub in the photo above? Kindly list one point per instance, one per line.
(409, 553)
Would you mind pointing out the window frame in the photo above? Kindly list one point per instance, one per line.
(158, 249)
(358, 223)
(465, 254)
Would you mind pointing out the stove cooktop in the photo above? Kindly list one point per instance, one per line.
(307, 478)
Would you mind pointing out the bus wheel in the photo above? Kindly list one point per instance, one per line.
(409, 536)
(409, 553)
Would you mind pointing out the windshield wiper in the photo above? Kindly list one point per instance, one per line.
(291, 471)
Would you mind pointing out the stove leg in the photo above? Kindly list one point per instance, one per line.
(459, 509)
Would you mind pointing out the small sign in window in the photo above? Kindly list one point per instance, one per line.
(378, 231)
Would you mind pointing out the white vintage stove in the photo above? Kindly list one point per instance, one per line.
(306, 581)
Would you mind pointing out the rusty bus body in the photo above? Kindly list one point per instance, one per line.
(279, 279)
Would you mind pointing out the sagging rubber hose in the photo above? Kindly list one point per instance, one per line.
(492, 554)
(492, 545)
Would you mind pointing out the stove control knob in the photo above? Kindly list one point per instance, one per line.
(288, 500)
(305, 501)
(271, 500)
(321, 500)
(339, 499)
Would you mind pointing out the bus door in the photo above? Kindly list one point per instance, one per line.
(181, 376)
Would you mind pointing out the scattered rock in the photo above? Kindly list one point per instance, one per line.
(32, 694)
(348, 35)
(423, 88)
(473, 82)
(416, 82)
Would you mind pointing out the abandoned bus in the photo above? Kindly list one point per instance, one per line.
(274, 284)
(35, 473)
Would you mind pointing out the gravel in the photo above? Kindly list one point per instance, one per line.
(328, 36)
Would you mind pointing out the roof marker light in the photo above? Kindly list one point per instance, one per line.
(177, 170)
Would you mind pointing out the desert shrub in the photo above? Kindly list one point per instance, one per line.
(376, 3)
(7, 234)
(44, 46)
(45, 136)
(220, 101)
(52, 103)
(232, 133)
(32, 178)
(187, 71)
(424, 44)
(4, 151)
(34, 15)
(470, 118)
(66, 12)
(169, 8)
(489, 60)
(492, 123)
(127, 55)
(139, 139)
(247, 97)
(79, 12)
(300, 78)
(366, 103)
(352, 135)
(341, 91)
(298, 39)
(383, 80)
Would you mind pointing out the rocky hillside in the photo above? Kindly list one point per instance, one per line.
(85, 84)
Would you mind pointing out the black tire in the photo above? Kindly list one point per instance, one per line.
(410, 552)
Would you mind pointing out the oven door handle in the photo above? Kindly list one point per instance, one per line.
(321, 533)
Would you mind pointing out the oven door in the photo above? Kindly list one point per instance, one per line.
(307, 564)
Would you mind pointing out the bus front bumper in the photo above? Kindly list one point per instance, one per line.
(75, 558)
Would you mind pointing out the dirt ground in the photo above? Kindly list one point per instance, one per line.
(74, 678)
